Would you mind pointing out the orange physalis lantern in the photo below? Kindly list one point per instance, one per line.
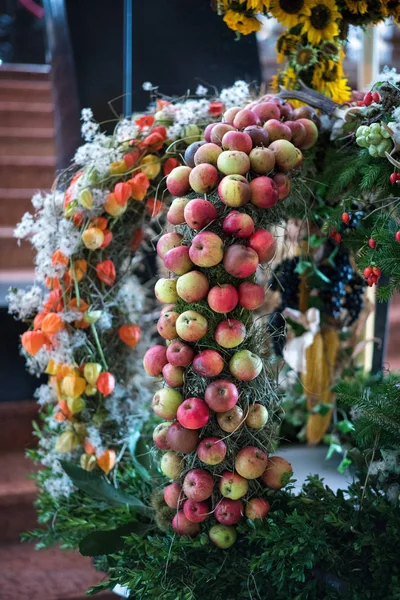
(122, 192)
(53, 283)
(100, 222)
(69, 193)
(33, 341)
(78, 269)
(38, 320)
(81, 306)
(113, 207)
(93, 238)
(64, 409)
(105, 383)
(155, 140)
(170, 165)
(108, 236)
(107, 460)
(145, 121)
(160, 104)
(89, 448)
(139, 186)
(73, 386)
(78, 219)
(130, 334)
(52, 323)
(138, 238)
(59, 258)
(150, 165)
(216, 108)
(154, 206)
(106, 272)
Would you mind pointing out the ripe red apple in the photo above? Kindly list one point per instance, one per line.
(244, 118)
(232, 485)
(222, 298)
(221, 395)
(175, 212)
(190, 152)
(264, 193)
(160, 436)
(251, 295)
(230, 333)
(207, 249)
(233, 162)
(245, 366)
(282, 183)
(154, 360)
(278, 473)
(177, 260)
(257, 508)
(166, 325)
(286, 109)
(182, 440)
(171, 465)
(179, 354)
(168, 241)
(196, 512)
(218, 132)
(199, 213)
(240, 261)
(191, 326)
(228, 512)
(251, 462)
(262, 160)
(231, 420)
(230, 114)
(208, 363)
(277, 130)
(173, 495)
(167, 308)
(311, 133)
(193, 413)
(307, 112)
(173, 376)
(234, 191)
(211, 450)
(259, 136)
(236, 140)
(178, 181)
(257, 416)
(207, 131)
(287, 156)
(299, 133)
(165, 290)
(207, 154)
(182, 526)
(264, 243)
(238, 224)
(266, 111)
(165, 403)
(203, 178)
(198, 485)
(192, 286)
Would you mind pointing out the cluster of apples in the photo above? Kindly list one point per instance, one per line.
(247, 158)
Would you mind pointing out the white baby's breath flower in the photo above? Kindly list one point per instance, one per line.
(147, 86)
(86, 114)
(201, 90)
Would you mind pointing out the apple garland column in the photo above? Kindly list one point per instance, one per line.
(218, 400)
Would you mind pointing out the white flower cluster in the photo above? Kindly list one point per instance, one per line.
(237, 95)
(25, 303)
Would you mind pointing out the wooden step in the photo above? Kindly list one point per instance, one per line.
(26, 114)
(25, 72)
(27, 171)
(21, 90)
(16, 425)
(13, 204)
(26, 141)
(13, 256)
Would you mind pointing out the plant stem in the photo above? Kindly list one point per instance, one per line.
(98, 345)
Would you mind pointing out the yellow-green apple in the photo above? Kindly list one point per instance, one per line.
(208, 363)
(307, 112)
(203, 178)
(240, 261)
(228, 512)
(167, 242)
(221, 395)
(196, 512)
(251, 295)
(193, 413)
(223, 298)
(257, 416)
(298, 132)
(211, 450)
(223, 536)
(232, 485)
(245, 365)
(182, 526)
(282, 183)
(165, 290)
(160, 436)
(287, 156)
(233, 162)
(311, 133)
(207, 249)
(175, 214)
(207, 154)
(231, 420)
(178, 181)
(173, 376)
(244, 118)
(237, 140)
(154, 360)
(230, 333)
(190, 152)
(277, 130)
(266, 111)
(264, 243)
(207, 131)
(199, 213)
(182, 440)
(257, 508)
(218, 131)
(179, 354)
(234, 191)
(172, 465)
(250, 462)
(278, 473)
(192, 286)
(173, 495)
(191, 326)
(262, 160)
(264, 192)
(198, 485)
(165, 403)
(166, 325)
(177, 260)
(259, 136)
(230, 114)
(238, 224)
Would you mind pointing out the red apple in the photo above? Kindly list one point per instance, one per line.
(264, 193)
(218, 132)
(221, 395)
(223, 536)
(199, 213)
(165, 290)
(173, 376)
(251, 295)
(311, 133)
(277, 130)
(250, 462)
(244, 118)
(245, 366)
(307, 112)
(278, 473)
(193, 413)
(233, 162)
(172, 465)
(165, 403)
(173, 495)
(222, 298)
(167, 308)
(160, 436)
(299, 133)
(264, 243)
(211, 450)
(207, 131)
(175, 212)
(262, 160)
(207, 249)
(231, 420)
(287, 156)
(168, 241)
(282, 183)
(230, 114)
(166, 325)
(198, 485)
(203, 178)
(196, 512)
(154, 360)
(228, 512)
(207, 154)
(238, 224)
(234, 191)
(191, 326)
(182, 440)
(240, 261)
(178, 181)
(182, 526)
(230, 333)
(177, 260)
(259, 136)
(286, 109)
(232, 485)
(179, 354)
(192, 286)
(236, 140)
(257, 508)
(257, 416)
(208, 363)
(266, 111)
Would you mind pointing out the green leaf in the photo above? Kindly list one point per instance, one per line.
(345, 463)
(315, 241)
(322, 276)
(345, 426)
(322, 408)
(110, 541)
(303, 266)
(332, 449)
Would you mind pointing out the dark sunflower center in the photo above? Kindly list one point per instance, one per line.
(303, 57)
(331, 75)
(291, 7)
(321, 16)
(329, 48)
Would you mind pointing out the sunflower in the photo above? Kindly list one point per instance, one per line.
(392, 9)
(256, 6)
(241, 23)
(274, 84)
(286, 44)
(328, 79)
(288, 78)
(320, 20)
(287, 12)
(305, 57)
(358, 7)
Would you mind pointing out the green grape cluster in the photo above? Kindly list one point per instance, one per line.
(375, 138)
